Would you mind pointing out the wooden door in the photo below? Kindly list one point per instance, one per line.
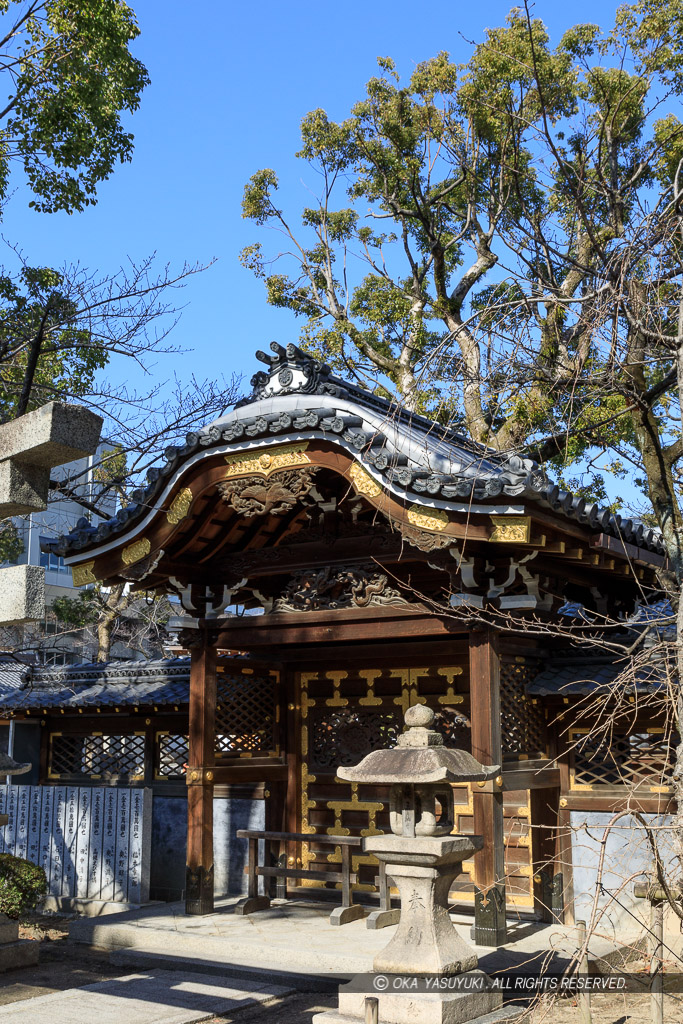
(344, 713)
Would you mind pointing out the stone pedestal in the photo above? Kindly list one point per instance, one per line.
(15, 952)
(424, 1007)
(423, 869)
(425, 943)
(427, 973)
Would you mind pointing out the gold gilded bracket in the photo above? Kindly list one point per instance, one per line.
(427, 518)
(135, 551)
(180, 506)
(269, 461)
(363, 482)
(510, 529)
(83, 574)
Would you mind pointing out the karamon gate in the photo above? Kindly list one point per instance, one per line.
(377, 560)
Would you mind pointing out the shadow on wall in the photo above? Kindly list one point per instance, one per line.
(91, 841)
(230, 853)
(627, 858)
(169, 844)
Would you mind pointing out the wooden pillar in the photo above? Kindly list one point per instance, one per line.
(563, 844)
(200, 776)
(489, 864)
(543, 808)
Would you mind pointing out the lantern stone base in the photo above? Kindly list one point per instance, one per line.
(423, 869)
(423, 1008)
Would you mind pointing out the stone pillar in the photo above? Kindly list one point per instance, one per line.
(30, 447)
(200, 773)
(489, 864)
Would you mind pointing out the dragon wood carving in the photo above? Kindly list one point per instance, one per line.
(313, 590)
(257, 496)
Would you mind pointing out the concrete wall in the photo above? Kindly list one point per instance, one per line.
(230, 853)
(627, 857)
(169, 842)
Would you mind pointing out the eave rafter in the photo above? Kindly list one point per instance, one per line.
(192, 502)
(233, 513)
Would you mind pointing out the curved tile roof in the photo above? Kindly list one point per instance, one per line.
(107, 684)
(297, 397)
(583, 677)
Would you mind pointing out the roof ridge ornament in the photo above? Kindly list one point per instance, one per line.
(290, 371)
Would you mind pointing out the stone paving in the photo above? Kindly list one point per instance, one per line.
(155, 997)
(291, 938)
(189, 969)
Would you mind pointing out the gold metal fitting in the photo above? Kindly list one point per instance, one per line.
(563, 802)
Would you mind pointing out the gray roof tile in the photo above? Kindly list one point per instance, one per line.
(298, 394)
(108, 684)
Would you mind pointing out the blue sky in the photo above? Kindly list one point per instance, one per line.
(230, 83)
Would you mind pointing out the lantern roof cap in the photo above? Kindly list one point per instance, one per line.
(419, 757)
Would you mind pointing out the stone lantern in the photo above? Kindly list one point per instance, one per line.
(423, 856)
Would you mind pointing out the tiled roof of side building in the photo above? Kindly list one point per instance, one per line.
(105, 684)
(585, 677)
(298, 397)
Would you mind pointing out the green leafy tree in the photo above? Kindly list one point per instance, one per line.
(22, 883)
(104, 616)
(69, 75)
(464, 220)
(500, 243)
(11, 544)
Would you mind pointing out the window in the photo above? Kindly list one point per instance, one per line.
(50, 561)
(643, 758)
(97, 756)
(171, 756)
(59, 657)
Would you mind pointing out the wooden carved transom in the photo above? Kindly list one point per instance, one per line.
(359, 587)
(422, 540)
(256, 496)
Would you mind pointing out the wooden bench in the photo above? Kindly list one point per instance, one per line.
(349, 911)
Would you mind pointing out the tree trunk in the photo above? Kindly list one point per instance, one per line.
(105, 624)
(678, 764)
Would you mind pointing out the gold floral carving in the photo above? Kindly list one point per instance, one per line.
(134, 552)
(510, 529)
(363, 482)
(83, 574)
(427, 519)
(180, 506)
(269, 461)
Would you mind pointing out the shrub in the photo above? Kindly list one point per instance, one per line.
(21, 883)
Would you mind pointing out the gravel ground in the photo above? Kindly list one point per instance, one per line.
(61, 965)
(299, 1009)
